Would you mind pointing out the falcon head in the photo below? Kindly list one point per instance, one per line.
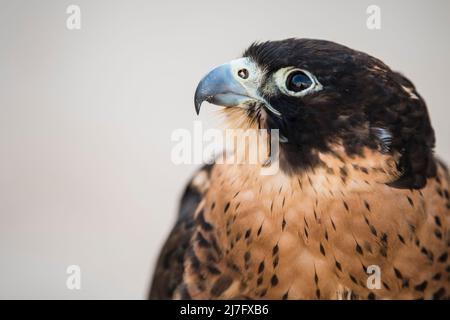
(320, 95)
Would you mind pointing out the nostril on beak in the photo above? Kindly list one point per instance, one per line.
(243, 73)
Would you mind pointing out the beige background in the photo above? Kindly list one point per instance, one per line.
(86, 118)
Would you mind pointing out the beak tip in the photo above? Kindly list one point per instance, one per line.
(198, 104)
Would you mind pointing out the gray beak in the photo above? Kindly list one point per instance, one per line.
(227, 85)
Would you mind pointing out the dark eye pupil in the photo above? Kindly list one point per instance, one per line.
(243, 73)
(298, 81)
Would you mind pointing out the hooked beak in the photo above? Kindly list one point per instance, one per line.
(229, 85)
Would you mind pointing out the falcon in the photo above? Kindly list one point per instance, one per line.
(358, 194)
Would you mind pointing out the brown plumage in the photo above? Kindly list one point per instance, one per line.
(341, 202)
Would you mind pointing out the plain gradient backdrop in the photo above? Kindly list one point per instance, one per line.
(86, 118)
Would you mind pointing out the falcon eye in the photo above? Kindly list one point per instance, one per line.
(243, 73)
(298, 81)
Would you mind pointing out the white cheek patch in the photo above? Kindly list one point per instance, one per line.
(253, 82)
(255, 74)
